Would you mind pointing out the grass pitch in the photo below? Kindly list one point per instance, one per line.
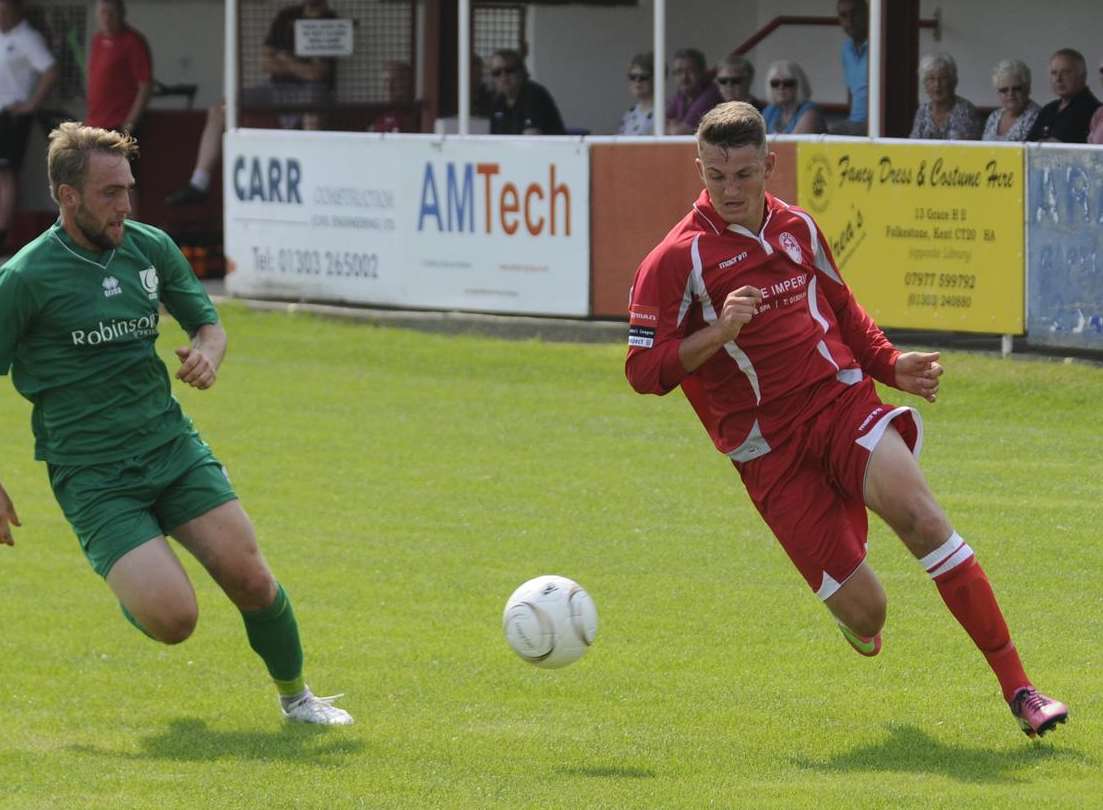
(404, 484)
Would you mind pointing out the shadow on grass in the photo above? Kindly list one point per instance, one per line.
(190, 740)
(610, 772)
(911, 750)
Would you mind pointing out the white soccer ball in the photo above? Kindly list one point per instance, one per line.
(550, 621)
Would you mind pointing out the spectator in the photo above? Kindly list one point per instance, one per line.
(735, 78)
(1012, 120)
(854, 20)
(1068, 117)
(28, 72)
(791, 110)
(945, 115)
(1095, 131)
(292, 80)
(640, 118)
(120, 71)
(521, 106)
(696, 93)
(398, 89)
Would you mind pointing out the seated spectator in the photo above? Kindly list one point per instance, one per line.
(1095, 131)
(854, 20)
(734, 79)
(696, 93)
(791, 110)
(398, 90)
(640, 118)
(945, 116)
(1012, 120)
(1068, 117)
(521, 106)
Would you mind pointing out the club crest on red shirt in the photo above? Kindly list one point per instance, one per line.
(791, 247)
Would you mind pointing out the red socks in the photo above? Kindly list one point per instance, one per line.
(965, 589)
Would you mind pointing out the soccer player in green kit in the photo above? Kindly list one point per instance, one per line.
(79, 309)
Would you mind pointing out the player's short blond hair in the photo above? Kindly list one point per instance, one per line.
(72, 143)
(731, 125)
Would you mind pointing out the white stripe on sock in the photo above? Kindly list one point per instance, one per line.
(947, 556)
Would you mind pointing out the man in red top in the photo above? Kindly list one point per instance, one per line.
(120, 71)
(742, 305)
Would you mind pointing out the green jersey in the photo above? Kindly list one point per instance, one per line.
(77, 330)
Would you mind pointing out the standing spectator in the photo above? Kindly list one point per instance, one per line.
(1068, 117)
(854, 20)
(28, 72)
(521, 106)
(734, 79)
(791, 110)
(640, 118)
(295, 79)
(291, 80)
(120, 71)
(1095, 131)
(696, 93)
(945, 116)
(1012, 120)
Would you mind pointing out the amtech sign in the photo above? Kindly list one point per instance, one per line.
(487, 198)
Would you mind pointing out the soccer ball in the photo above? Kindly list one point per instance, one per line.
(550, 621)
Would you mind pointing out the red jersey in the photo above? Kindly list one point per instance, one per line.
(116, 66)
(807, 343)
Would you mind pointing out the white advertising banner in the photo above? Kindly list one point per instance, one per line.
(482, 224)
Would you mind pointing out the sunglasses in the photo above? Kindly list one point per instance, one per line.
(1015, 88)
(726, 80)
(776, 83)
(639, 77)
(508, 71)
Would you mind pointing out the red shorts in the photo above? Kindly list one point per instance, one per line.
(809, 490)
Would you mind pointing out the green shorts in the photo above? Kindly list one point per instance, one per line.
(115, 507)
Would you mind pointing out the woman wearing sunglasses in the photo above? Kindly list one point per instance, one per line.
(1012, 120)
(791, 110)
(640, 118)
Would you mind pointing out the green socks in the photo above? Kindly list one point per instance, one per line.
(274, 636)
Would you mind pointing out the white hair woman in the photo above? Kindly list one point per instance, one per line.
(945, 116)
(1012, 120)
(791, 109)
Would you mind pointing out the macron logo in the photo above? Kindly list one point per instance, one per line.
(736, 259)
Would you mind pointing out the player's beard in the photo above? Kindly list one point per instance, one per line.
(93, 231)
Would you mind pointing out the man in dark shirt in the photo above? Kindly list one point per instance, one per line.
(521, 106)
(1068, 117)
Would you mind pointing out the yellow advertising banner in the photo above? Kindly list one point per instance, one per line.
(927, 236)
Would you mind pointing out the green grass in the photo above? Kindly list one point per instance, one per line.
(404, 484)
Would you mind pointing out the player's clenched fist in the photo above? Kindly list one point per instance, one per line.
(739, 308)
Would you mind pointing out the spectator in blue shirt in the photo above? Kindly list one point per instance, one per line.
(854, 20)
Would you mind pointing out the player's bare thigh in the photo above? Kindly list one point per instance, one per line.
(896, 489)
(224, 541)
(150, 583)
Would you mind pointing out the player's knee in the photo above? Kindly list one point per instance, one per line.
(176, 625)
(255, 589)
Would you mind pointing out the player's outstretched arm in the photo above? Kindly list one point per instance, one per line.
(8, 518)
(918, 373)
(199, 362)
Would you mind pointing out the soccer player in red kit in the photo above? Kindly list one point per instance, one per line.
(742, 305)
